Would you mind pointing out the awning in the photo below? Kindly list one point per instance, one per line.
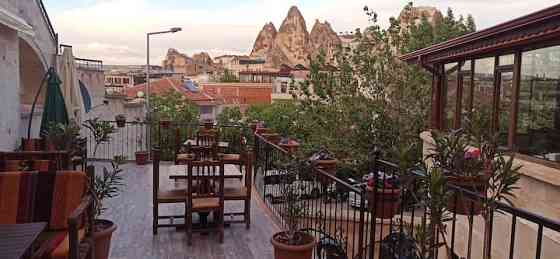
(15, 22)
(85, 96)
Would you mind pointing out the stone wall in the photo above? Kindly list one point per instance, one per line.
(9, 86)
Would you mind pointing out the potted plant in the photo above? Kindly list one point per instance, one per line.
(142, 155)
(121, 120)
(464, 167)
(324, 160)
(30, 144)
(384, 194)
(100, 130)
(292, 243)
(105, 186)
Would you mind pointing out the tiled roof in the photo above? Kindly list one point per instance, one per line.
(165, 85)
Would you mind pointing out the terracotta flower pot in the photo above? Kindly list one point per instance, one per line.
(142, 157)
(272, 137)
(102, 237)
(461, 203)
(291, 146)
(31, 144)
(387, 202)
(41, 165)
(285, 251)
(49, 145)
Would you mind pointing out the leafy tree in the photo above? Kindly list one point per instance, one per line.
(371, 97)
(230, 115)
(173, 106)
(471, 26)
(228, 77)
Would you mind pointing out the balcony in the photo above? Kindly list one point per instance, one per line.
(132, 212)
(337, 214)
(89, 64)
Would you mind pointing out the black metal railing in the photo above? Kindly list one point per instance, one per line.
(351, 221)
(126, 141)
(89, 64)
(169, 136)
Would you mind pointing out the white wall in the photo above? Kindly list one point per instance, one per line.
(9, 88)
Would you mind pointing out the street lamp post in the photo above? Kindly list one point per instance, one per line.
(147, 89)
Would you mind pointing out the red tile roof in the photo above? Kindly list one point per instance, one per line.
(240, 93)
(165, 85)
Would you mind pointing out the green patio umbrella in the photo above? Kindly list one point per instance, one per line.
(54, 110)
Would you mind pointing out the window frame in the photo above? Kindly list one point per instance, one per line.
(514, 68)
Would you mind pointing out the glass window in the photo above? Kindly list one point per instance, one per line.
(466, 100)
(284, 87)
(206, 110)
(504, 107)
(466, 66)
(451, 73)
(483, 89)
(538, 125)
(506, 60)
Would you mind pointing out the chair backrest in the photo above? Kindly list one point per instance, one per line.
(205, 179)
(17, 196)
(59, 193)
(204, 152)
(206, 139)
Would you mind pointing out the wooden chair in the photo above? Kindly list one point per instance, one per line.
(176, 195)
(17, 196)
(206, 180)
(206, 139)
(63, 200)
(240, 191)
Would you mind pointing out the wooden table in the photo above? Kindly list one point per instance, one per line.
(192, 142)
(180, 172)
(16, 239)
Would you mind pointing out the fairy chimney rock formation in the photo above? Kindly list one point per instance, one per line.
(292, 44)
(323, 37)
(292, 38)
(265, 40)
(414, 15)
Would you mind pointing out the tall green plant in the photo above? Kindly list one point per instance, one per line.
(100, 130)
(108, 185)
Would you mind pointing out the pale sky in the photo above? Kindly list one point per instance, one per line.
(115, 30)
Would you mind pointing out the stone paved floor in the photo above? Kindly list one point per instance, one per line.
(132, 212)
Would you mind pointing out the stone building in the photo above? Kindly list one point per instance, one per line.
(28, 47)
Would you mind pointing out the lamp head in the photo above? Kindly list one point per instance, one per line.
(176, 29)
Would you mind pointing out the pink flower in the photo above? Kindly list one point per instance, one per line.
(473, 153)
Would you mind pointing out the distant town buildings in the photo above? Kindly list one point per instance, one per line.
(236, 64)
